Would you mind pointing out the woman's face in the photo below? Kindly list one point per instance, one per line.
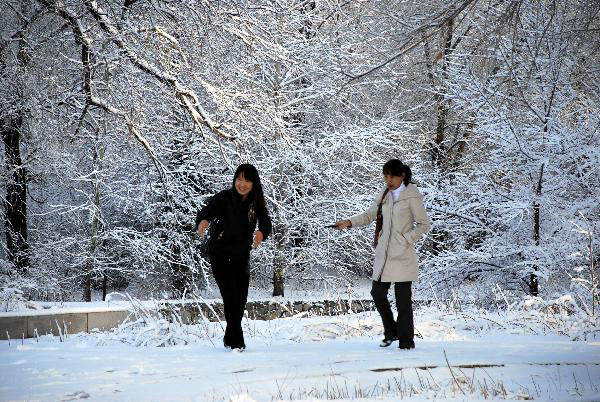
(243, 186)
(393, 182)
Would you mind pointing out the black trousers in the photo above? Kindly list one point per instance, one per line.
(402, 328)
(233, 280)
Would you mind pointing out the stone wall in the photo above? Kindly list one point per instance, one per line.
(32, 324)
(193, 312)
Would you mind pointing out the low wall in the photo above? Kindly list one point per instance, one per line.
(36, 323)
(29, 324)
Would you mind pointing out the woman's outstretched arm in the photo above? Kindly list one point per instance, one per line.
(362, 219)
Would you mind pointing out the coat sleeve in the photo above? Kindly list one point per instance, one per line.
(212, 209)
(421, 220)
(264, 223)
(368, 216)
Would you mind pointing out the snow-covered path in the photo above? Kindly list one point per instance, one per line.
(512, 366)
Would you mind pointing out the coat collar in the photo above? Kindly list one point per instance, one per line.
(409, 192)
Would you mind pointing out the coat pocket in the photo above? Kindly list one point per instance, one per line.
(400, 240)
(400, 249)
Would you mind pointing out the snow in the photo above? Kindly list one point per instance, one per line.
(94, 308)
(117, 301)
(460, 355)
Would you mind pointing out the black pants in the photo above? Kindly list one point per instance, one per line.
(403, 327)
(233, 280)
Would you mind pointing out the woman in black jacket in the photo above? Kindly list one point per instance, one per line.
(233, 215)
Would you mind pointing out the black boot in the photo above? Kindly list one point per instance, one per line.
(385, 342)
(407, 345)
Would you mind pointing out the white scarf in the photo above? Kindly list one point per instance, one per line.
(396, 192)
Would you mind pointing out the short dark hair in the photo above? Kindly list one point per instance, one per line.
(251, 174)
(395, 167)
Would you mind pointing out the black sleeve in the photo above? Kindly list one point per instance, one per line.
(264, 223)
(212, 209)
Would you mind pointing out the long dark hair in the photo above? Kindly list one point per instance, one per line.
(250, 173)
(395, 167)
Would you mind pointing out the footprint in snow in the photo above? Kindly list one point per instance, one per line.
(75, 395)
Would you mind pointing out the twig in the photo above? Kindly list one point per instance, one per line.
(451, 372)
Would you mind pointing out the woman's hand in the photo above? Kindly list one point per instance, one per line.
(258, 238)
(202, 226)
(343, 224)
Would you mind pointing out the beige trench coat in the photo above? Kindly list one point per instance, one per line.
(404, 222)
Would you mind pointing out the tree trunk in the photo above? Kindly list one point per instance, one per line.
(533, 280)
(15, 205)
(279, 268)
(438, 151)
(90, 265)
(296, 121)
(104, 284)
(98, 155)
(439, 154)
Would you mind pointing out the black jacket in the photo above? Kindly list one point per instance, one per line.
(232, 223)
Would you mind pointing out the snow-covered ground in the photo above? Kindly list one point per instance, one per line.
(460, 355)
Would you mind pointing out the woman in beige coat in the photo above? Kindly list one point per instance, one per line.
(401, 220)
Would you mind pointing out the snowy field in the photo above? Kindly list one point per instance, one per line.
(520, 353)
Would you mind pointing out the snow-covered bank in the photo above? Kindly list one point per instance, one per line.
(12, 301)
(462, 355)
